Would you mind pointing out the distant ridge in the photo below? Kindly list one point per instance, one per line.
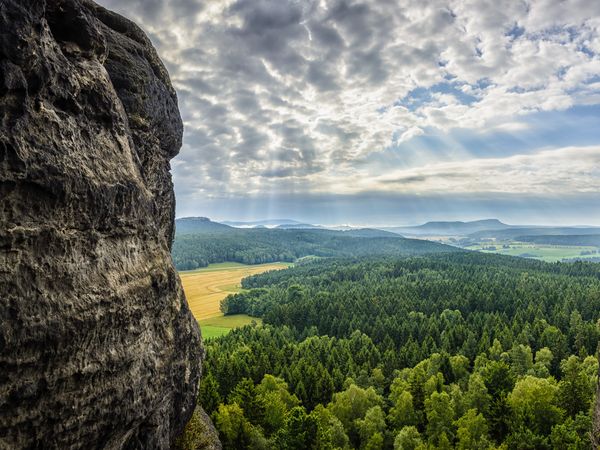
(199, 242)
(368, 233)
(198, 225)
(484, 223)
(260, 223)
(451, 228)
(298, 226)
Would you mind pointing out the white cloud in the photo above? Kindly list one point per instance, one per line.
(290, 94)
(561, 171)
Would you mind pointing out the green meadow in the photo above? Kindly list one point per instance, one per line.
(221, 325)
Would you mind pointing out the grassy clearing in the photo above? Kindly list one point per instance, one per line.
(233, 321)
(209, 332)
(206, 287)
(221, 325)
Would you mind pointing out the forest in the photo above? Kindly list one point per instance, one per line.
(464, 350)
(198, 248)
(568, 239)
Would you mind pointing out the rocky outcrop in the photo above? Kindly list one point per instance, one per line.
(199, 433)
(98, 348)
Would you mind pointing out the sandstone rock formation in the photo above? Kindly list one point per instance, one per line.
(199, 433)
(98, 348)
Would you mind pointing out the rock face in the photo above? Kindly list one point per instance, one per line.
(98, 348)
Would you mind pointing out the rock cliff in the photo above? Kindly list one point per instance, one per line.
(98, 348)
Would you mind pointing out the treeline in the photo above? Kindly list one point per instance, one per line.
(592, 240)
(467, 351)
(456, 303)
(594, 259)
(256, 246)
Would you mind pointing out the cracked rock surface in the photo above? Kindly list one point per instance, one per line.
(98, 348)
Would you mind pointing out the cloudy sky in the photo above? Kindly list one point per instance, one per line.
(383, 111)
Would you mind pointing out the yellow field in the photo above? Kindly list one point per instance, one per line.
(205, 288)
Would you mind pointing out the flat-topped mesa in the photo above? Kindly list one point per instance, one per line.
(98, 348)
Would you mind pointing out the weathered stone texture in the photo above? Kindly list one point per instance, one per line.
(98, 348)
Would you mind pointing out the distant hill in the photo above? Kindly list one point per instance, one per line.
(456, 228)
(368, 233)
(198, 225)
(261, 223)
(297, 226)
(262, 245)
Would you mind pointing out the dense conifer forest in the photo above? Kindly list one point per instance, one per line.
(198, 248)
(466, 351)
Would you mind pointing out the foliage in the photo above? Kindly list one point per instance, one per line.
(257, 246)
(462, 351)
(408, 438)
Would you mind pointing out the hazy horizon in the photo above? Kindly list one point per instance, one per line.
(395, 210)
(380, 224)
(340, 111)
(389, 211)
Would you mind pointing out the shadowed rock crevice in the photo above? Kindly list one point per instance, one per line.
(98, 348)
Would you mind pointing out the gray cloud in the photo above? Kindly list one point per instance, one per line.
(296, 94)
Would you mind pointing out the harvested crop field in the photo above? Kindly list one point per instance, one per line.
(205, 288)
